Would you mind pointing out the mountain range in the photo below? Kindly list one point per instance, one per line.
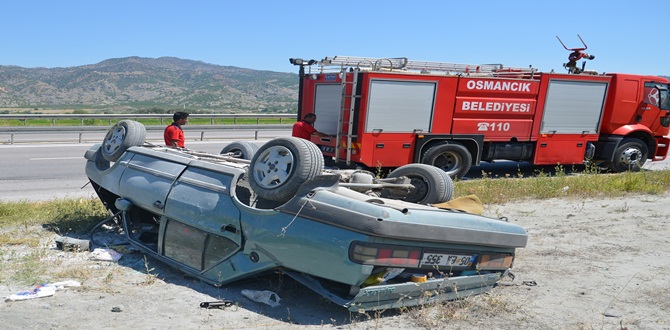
(133, 83)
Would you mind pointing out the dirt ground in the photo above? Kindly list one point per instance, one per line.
(589, 264)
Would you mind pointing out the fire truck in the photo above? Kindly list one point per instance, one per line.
(388, 112)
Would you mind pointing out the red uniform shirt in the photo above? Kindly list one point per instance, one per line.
(303, 130)
(174, 133)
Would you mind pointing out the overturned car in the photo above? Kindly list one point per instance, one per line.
(362, 242)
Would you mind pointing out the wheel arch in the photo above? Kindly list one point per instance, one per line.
(607, 144)
(473, 143)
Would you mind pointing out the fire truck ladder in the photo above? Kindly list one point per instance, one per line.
(404, 64)
(346, 109)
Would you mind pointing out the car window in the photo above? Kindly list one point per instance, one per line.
(186, 244)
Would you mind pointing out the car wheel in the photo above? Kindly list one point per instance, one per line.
(123, 135)
(629, 156)
(430, 186)
(452, 158)
(240, 149)
(281, 166)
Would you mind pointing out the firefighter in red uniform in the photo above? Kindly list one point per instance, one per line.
(305, 128)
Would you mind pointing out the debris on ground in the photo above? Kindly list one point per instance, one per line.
(41, 291)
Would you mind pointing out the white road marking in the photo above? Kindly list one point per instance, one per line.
(57, 158)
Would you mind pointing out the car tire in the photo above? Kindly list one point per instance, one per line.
(430, 185)
(452, 158)
(630, 155)
(123, 135)
(282, 165)
(241, 149)
(449, 185)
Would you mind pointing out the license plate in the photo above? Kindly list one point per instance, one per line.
(449, 260)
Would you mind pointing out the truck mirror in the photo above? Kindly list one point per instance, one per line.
(665, 121)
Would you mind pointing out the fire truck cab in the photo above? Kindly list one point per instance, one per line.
(385, 113)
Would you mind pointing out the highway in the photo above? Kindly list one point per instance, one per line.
(45, 171)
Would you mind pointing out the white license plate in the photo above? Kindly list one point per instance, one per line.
(453, 260)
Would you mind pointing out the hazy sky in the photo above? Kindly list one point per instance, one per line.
(625, 36)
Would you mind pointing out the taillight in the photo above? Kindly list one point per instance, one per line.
(490, 261)
(384, 255)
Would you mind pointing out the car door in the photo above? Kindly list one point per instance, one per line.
(201, 222)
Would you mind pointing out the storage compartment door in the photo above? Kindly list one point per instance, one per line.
(573, 107)
(327, 103)
(400, 106)
(552, 150)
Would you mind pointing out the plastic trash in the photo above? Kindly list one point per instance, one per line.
(41, 291)
(392, 272)
(102, 254)
(267, 297)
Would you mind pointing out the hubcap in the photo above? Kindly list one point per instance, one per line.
(448, 162)
(114, 139)
(273, 167)
(631, 156)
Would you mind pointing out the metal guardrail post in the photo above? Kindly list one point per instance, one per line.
(256, 135)
(80, 134)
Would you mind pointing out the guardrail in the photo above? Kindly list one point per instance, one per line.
(164, 119)
(80, 130)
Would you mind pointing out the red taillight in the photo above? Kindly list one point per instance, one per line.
(384, 255)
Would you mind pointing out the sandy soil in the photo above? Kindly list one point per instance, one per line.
(589, 264)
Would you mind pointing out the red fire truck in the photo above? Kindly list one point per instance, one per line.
(388, 112)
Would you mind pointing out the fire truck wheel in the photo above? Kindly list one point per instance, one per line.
(430, 186)
(240, 149)
(123, 135)
(452, 158)
(282, 165)
(629, 156)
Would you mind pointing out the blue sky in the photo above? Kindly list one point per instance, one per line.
(625, 36)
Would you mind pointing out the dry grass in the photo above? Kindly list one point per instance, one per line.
(27, 234)
(583, 185)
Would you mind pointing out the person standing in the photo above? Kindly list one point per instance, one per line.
(173, 134)
(305, 128)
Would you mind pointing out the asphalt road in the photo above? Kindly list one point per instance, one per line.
(45, 171)
(31, 171)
